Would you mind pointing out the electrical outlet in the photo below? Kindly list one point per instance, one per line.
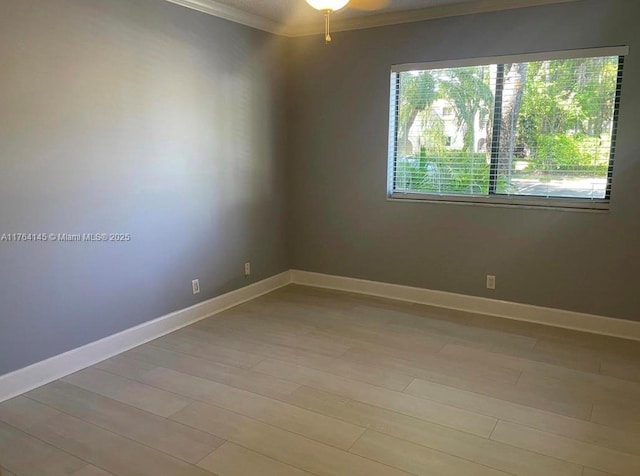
(247, 269)
(195, 286)
(491, 282)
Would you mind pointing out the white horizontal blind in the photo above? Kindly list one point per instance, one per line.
(526, 58)
(443, 121)
(543, 129)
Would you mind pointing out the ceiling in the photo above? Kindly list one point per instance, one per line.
(296, 17)
(299, 11)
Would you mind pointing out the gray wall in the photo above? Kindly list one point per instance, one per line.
(341, 222)
(141, 117)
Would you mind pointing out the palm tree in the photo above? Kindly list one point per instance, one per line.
(468, 91)
(515, 77)
(418, 94)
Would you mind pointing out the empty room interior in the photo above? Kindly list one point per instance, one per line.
(319, 237)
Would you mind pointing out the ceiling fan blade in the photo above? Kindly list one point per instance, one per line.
(369, 5)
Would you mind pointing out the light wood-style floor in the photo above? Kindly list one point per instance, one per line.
(307, 381)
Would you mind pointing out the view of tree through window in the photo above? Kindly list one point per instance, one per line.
(538, 129)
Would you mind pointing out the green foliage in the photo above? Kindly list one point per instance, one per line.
(418, 93)
(565, 153)
(448, 172)
(468, 91)
(549, 105)
(434, 136)
(566, 115)
(559, 151)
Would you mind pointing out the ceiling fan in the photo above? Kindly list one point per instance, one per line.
(330, 6)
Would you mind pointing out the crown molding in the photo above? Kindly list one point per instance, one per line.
(212, 7)
(412, 16)
(216, 9)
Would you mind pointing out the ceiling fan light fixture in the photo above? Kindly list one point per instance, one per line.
(330, 5)
(327, 6)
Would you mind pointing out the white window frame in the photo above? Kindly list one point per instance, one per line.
(499, 199)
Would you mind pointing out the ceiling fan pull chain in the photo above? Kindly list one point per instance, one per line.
(327, 26)
(328, 7)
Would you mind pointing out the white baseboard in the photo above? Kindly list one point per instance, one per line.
(492, 307)
(40, 373)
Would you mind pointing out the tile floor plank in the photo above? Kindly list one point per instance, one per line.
(116, 454)
(523, 361)
(91, 470)
(281, 445)
(224, 355)
(339, 366)
(457, 443)
(397, 401)
(435, 368)
(244, 379)
(272, 334)
(277, 413)
(233, 460)
(22, 412)
(621, 418)
(588, 432)
(128, 391)
(604, 390)
(594, 472)
(164, 435)
(240, 341)
(127, 368)
(586, 454)
(416, 459)
(511, 394)
(620, 368)
(25, 455)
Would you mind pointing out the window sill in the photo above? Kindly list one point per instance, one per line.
(564, 204)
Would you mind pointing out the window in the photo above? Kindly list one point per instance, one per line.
(533, 129)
